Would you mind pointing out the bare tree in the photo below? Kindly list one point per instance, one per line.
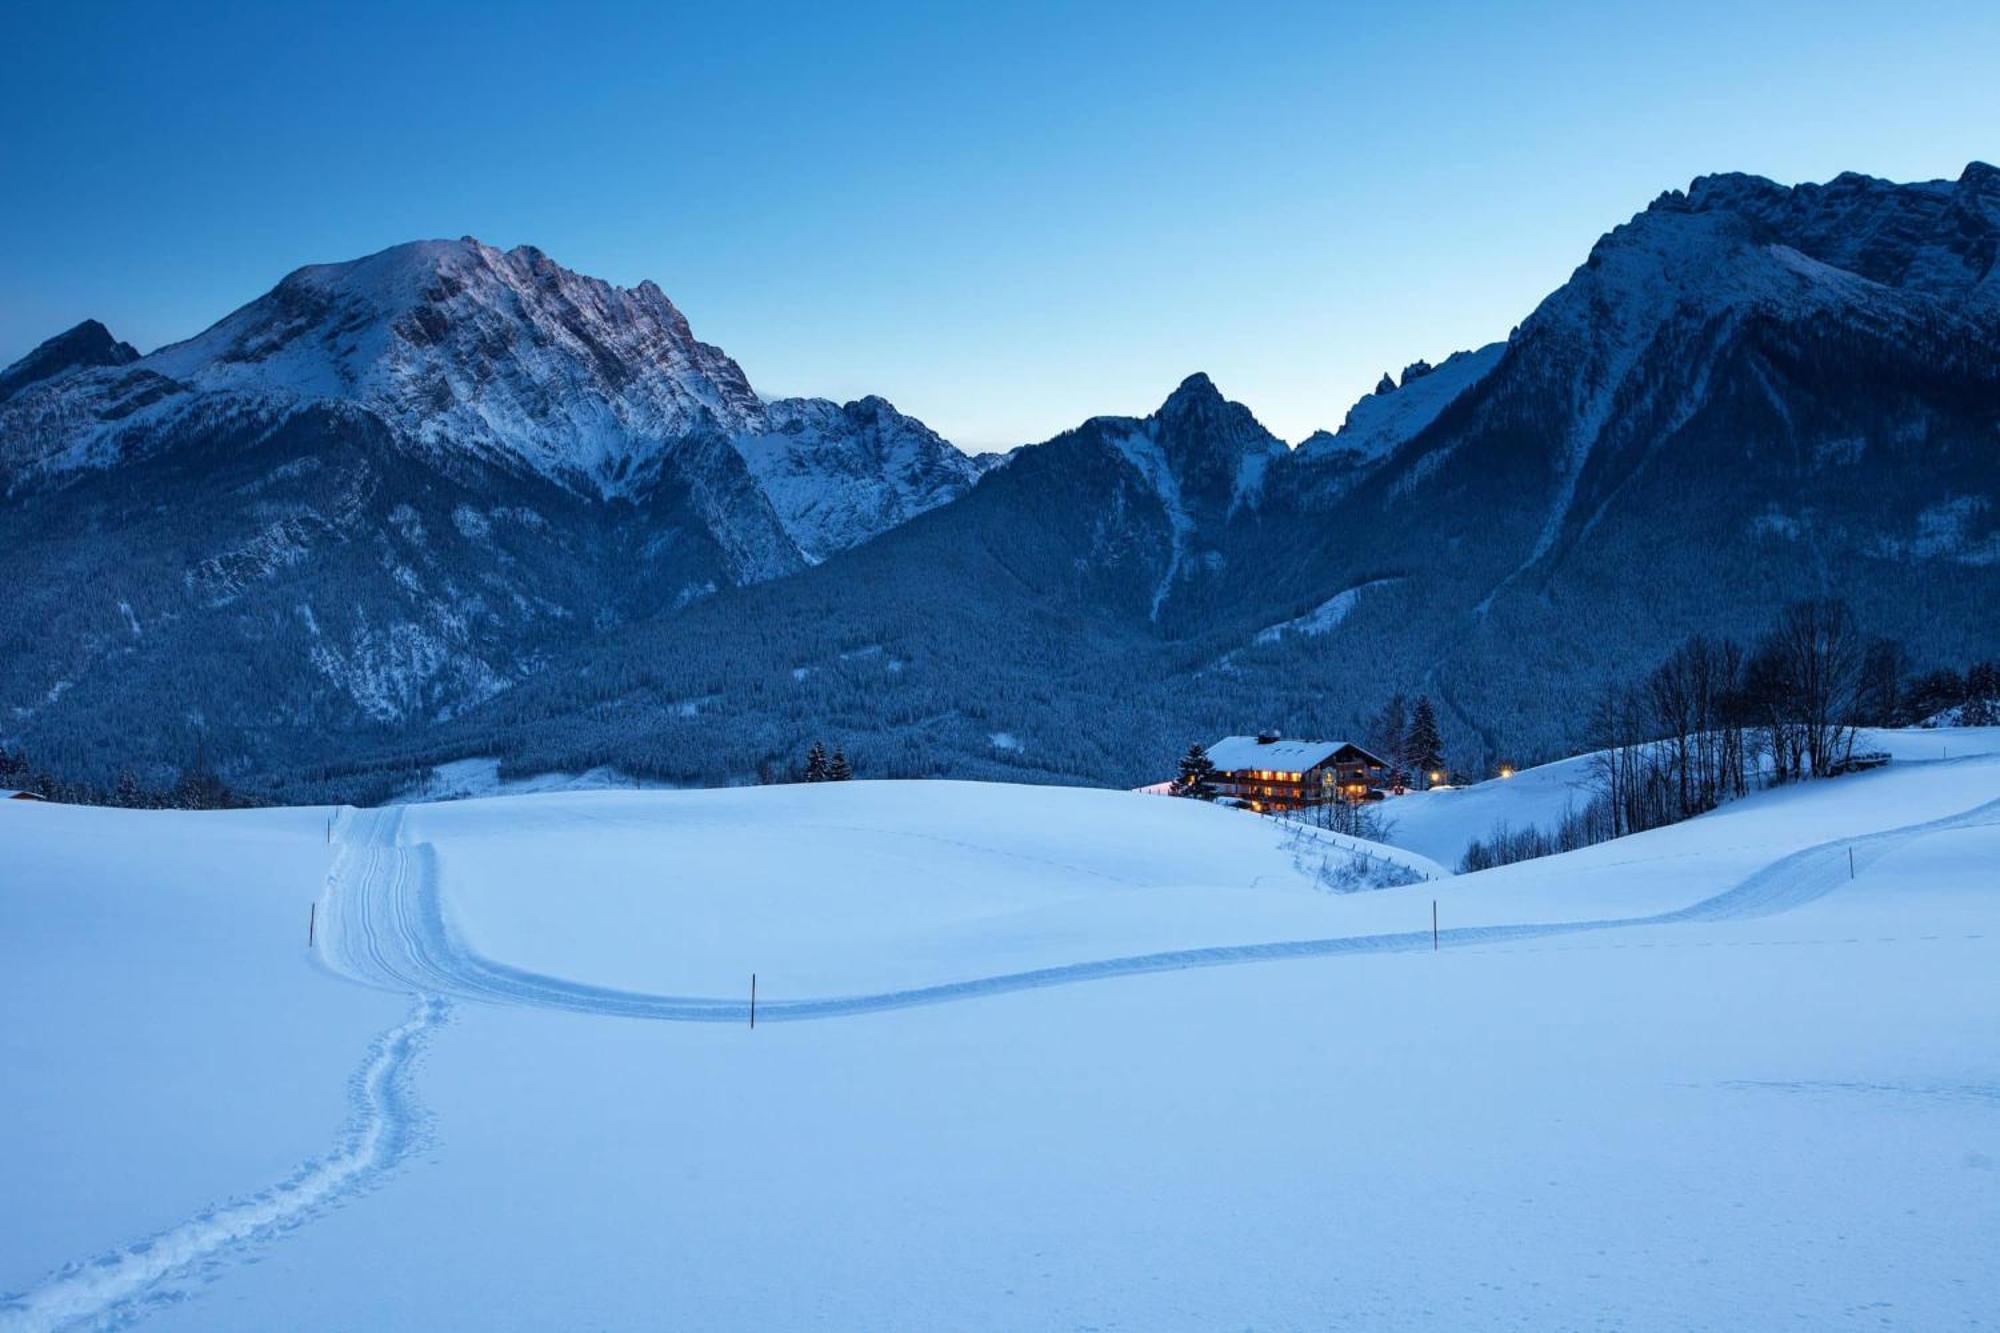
(1822, 653)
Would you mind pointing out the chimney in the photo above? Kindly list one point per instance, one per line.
(1267, 738)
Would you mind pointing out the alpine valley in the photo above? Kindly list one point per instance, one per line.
(448, 502)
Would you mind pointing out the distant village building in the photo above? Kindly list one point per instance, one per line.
(6, 795)
(1270, 774)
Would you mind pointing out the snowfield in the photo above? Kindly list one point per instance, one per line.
(1025, 1057)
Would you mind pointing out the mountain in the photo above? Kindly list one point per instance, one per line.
(88, 344)
(465, 352)
(839, 474)
(390, 488)
(376, 522)
(1745, 395)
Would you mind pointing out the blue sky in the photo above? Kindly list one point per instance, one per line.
(1004, 218)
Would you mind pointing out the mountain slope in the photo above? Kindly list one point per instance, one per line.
(396, 486)
(336, 510)
(88, 344)
(839, 474)
(1711, 418)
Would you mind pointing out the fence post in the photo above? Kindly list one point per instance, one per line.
(753, 1001)
(312, 923)
(1434, 925)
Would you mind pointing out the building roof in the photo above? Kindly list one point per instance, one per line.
(8, 794)
(1233, 754)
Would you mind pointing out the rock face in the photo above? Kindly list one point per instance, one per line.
(449, 501)
(1745, 395)
(838, 475)
(88, 344)
(402, 484)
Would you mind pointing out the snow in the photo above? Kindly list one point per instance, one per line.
(1325, 617)
(1150, 461)
(169, 1041)
(1234, 754)
(462, 349)
(940, 879)
(463, 778)
(1442, 823)
(411, 333)
(1025, 1057)
(1382, 423)
(838, 475)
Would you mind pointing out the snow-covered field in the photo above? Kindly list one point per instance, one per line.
(1442, 824)
(1025, 1057)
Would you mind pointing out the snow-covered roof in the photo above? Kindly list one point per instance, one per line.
(9, 794)
(1233, 754)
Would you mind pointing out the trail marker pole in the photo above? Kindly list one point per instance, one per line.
(1434, 925)
(1850, 863)
(312, 923)
(753, 1001)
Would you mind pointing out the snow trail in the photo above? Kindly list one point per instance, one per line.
(117, 1287)
(387, 928)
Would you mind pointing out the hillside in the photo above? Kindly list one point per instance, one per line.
(1711, 419)
(1000, 1028)
(387, 490)
(450, 503)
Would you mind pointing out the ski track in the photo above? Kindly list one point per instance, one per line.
(122, 1286)
(387, 928)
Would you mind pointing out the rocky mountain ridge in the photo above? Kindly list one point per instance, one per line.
(1746, 394)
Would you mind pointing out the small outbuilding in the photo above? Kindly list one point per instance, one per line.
(6, 795)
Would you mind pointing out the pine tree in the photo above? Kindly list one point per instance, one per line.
(838, 769)
(1982, 688)
(1388, 734)
(1423, 748)
(816, 769)
(1197, 777)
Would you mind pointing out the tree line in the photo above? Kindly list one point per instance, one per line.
(1410, 741)
(1717, 719)
(197, 788)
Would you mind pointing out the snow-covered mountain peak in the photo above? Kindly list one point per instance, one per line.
(86, 346)
(459, 345)
(461, 350)
(1384, 421)
(1216, 449)
(838, 474)
(1938, 237)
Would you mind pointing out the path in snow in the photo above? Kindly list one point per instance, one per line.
(387, 929)
(116, 1288)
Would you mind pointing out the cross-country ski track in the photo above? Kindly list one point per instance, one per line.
(383, 924)
(387, 928)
